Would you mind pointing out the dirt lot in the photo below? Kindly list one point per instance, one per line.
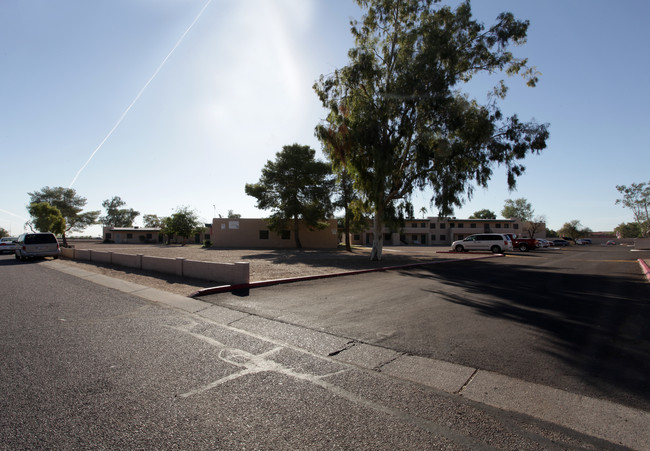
(265, 264)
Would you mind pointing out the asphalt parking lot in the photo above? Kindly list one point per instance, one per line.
(573, 318)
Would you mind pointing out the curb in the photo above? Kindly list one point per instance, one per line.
(645, 268)
(267, 283)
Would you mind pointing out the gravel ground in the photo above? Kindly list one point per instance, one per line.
(265, 264)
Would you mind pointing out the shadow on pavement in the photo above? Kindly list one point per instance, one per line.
(598, 325)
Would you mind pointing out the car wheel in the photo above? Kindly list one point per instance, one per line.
(523, 247)
(17, 257)
(495, 249)
(459, 248)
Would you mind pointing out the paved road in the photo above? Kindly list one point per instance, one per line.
(576, 318)
(90, 362)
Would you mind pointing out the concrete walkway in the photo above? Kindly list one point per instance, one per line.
(605, 420)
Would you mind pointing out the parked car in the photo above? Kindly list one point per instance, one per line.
(523, 244)
(33, 245)
(7, 244)
(561, 243)
(483, 242)
(543, 243)
(611, 243)
(583, 241)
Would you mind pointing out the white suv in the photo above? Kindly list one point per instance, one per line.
(494, 242)
(31, 245)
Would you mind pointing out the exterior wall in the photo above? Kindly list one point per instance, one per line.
(231, 273)
(135, 235)
(255, 233)
(434, 231)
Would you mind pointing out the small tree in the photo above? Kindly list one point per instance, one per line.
(46, 218)
(183, 222)
(233, 215)
(69, 204)
(573, 229)
(295, 187)
(3, 233)
(636, 197)
(535, 225)
(116, 216)
(484, 214)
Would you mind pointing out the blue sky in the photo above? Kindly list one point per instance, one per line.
(239, 86)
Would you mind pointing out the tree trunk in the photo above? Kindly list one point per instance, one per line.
(378, 232)
(296, 226)
(65, 241)
(346, 230)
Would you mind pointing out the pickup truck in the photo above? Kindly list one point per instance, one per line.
(523, 244)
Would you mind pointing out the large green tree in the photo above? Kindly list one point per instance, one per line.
(296, 187)
(117, 216)
(629, 230)
(636, 197)
(409, 125)
(69, 204)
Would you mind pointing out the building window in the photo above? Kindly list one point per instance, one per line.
(423, 225)
(443, 237)
(498, 226)
(356, 237)
(433, 237)
(452, 225)
(285, 235)
(264, 234)
(432, 225)
(149, 236)
(459, 225)
(129, 236)
(442, 226)
(108, 236)
(206, 236)
(472, 225)
(515, 226)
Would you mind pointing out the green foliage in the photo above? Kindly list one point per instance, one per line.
(573, 229)
(183, 222)
(636, 197)
(46, 218)
(295, 187)
(152, 221)
(550, 233)
(233, 215)
(116, 216)
(69, 204)
(483, 214)
(518, 208)
(3, 233)
(398, 111)
(629, 230)
(207, 243)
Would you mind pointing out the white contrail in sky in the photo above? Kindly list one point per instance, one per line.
(119, 121)
(12, 214)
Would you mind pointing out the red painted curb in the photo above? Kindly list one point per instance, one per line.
(267, 283)
(645, 268)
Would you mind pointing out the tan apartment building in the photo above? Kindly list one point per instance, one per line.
(148, 235)
(436, 231)
(255, 233)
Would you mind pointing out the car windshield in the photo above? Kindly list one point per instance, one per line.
(40, 239)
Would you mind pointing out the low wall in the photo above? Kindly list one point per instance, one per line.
(229, 273)
(642, 243)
